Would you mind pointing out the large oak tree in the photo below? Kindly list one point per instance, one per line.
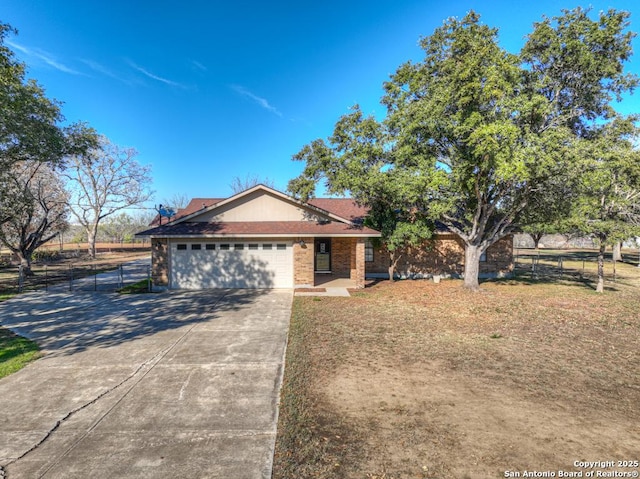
(478, 132)
(607, 205)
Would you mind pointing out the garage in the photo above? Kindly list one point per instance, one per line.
(231, 264)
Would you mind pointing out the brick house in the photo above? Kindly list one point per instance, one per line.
(262, 238)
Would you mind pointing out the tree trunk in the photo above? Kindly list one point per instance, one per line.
(600, 286)
(617, 251)
(393, 262)
(472, 255)
(536, 237)
(25, 262)
(92, 233)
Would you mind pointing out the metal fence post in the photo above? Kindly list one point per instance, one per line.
(20, 278)
(561, 264)
(95, 278)
(533, 266)
(121, 276)
(70, 277)
(148, 278)
(46, 279)
(614, 271)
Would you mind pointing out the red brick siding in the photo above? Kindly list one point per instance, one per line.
(341, 256)
(303, 264)
(159, 262)
(499, 257)
(444, 255)
(357, 262)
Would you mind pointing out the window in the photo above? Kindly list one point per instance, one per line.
(368, 250)
(483, 257)
(281, 246)
(267, 246)
(238, 246)
(253, 246)
(196, 246)
(210, 246)
(181, 246)
(224, 246)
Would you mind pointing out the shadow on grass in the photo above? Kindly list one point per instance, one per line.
(564, 279)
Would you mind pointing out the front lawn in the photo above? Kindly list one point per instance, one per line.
(420, 380)
(15, 352)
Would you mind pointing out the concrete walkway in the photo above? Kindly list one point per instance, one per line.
(155, 385)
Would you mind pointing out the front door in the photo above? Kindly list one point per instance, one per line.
(323, 255)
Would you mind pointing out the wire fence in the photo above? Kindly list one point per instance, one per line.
(104, 277)
(573, 264)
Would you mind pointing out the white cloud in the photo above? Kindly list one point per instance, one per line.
(43, 56)
(99, 68)
(199, 65)
(153, 76)
(259, 100)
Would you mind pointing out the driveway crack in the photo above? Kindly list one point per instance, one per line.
(152, 362)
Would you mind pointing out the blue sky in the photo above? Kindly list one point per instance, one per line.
(209, 90)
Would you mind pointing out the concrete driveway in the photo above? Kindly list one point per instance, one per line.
(155, 385)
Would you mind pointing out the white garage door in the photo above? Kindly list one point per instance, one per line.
(200, 265)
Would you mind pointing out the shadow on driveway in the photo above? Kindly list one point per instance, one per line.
(180, 384)
(68, 323)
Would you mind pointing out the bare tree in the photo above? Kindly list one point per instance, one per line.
(104, 181)
(239, 185)
(176, 201)
(39, 212)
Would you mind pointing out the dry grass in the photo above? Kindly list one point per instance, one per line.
(421, 380)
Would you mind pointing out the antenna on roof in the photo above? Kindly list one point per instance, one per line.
(166, 212)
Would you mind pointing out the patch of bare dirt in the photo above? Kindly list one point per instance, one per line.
(420, 380)
(426, 421)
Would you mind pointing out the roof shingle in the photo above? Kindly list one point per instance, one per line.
(260, 228)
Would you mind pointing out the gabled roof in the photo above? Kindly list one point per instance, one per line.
(273, 229)
(345, 219)
(213, 203)
(344, 207)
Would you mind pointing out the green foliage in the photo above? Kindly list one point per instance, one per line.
(358, 160)
(608, 205)
(30, 128)
(139, 287)
(478, 138)
(576, 65)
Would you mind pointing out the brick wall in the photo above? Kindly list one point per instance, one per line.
(499, 258)
(159, 262)
(303, 263)
(444, 255)
(341, 256)
(357, 262)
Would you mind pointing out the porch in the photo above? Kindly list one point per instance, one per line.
(333, 281)
(329, 262)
